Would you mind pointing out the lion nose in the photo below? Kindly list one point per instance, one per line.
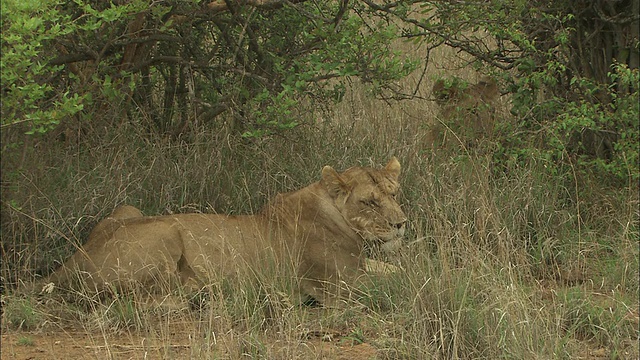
(399, 225)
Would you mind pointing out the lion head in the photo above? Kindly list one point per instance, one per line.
(366, 198)
(466, 109)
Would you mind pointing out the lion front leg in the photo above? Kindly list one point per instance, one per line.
(379, 267)
(325, 293)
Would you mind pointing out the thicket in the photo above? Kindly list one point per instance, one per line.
(570, 67)
(180, 64)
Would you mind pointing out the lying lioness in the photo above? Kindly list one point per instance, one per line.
(322, 230)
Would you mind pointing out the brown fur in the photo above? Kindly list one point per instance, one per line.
(321, 229)
(468, 112)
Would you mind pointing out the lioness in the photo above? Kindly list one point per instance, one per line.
(322, 230)
(469, 111)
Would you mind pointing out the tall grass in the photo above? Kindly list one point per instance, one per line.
(500, 262)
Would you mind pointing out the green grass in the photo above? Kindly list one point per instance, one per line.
(21, 313)
(25, 341)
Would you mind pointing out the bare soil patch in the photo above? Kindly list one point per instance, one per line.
(185, 341)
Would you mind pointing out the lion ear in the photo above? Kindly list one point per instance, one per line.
(333, 182)
(393, 167)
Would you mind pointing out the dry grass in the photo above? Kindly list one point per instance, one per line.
(499, 262)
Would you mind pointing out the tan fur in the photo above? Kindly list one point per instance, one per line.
(322, 230)
(468, 112)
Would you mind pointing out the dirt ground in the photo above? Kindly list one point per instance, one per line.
(75, 344)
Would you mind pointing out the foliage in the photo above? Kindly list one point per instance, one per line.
(181, 64)
(28, 94)
(604, 137)
(570, 68)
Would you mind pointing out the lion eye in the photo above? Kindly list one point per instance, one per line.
(371, 203)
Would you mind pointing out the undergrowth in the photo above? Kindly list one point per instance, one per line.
(500, 261)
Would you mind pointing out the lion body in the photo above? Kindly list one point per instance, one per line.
(322, 230)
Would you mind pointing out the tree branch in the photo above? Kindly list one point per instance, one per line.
(219, 6)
